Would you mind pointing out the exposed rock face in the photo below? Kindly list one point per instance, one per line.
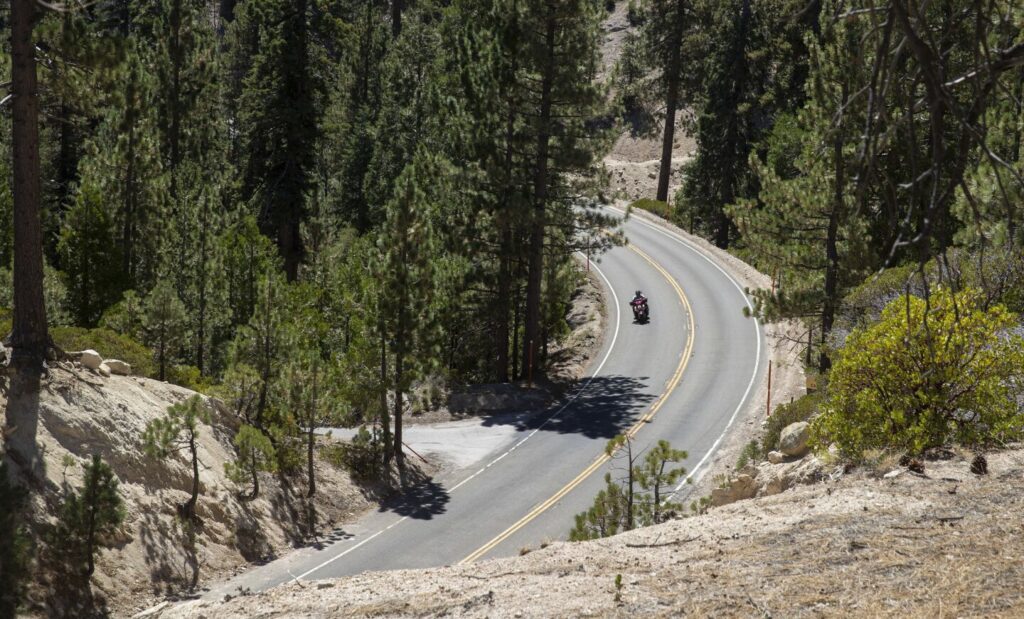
(793, 440)
(743, 486)
(116, 366)
(767, 479)
(90, 359)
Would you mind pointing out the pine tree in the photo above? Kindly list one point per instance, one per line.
(29, 336)
(90, 515)
(560, 53)
(163, 322)
(280, 108)
(408, 282)
(752, 72)
(639, 500)
(177, 431)
(665, 30)
(91, 257)
(255, 454)
(123, 163)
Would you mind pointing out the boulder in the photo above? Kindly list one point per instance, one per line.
(104, 370)
(743, 486)
(793, 440)
(776, 457)
(90, 359)
(116, 366)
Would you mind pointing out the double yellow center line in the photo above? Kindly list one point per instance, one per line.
(600, 460)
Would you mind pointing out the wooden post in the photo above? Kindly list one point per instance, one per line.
(768, 406)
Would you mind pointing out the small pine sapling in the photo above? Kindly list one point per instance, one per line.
(178, 430)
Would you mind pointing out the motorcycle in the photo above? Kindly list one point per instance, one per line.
(641, 312)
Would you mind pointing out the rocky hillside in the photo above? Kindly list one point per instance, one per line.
(867, 543)
(85, 411)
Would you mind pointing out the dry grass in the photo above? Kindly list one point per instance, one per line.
(947, 544)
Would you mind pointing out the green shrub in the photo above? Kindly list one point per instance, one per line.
(798, 410)
(189, 377)
(363, 456)
(109, 344)
(751, 454)
(926, 375)
(661, 209)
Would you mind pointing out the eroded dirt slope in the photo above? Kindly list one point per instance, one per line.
(944, 545)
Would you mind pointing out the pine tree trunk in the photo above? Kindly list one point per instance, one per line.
(29, 336)
(90, 502)
(128, 206)
(502, 303)
(385, 418)
(400, 341)
(397, 6)
(311, 434)
(671, 101)
(535, 273)
(831, 250)
(255, 475)
(201, 318)
(226, 12)
(190, 507)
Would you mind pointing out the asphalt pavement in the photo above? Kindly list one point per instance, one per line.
(683, 377)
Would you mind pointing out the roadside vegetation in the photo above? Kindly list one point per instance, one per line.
(318, 212)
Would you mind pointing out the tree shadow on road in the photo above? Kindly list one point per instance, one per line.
(419, 497)
(605, 408)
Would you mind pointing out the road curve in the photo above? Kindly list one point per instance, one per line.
(683, 377)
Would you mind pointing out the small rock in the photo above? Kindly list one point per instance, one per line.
(90, 359)
(776, 457)
(116, 366)
(104, 370)
(892, 474)
(793, 440)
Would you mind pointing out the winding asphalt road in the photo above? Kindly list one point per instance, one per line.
(683, 377)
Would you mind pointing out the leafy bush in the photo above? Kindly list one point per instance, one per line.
(798, 410)
(928, 374)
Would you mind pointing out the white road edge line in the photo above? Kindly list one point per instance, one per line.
(579, 392)
(757, 359)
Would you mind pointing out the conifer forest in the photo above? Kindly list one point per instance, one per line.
(325, 212)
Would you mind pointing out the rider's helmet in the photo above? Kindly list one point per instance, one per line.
(639, 294)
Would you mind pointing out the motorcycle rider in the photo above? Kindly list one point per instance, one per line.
(638, 299)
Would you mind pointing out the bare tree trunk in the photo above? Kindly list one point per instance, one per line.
(535, 273)
(671, 101)
(29, 336)
(400, 337)
(311, 434)
(828, 310)
(397, 6)
(385, 419)
(189, 509)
